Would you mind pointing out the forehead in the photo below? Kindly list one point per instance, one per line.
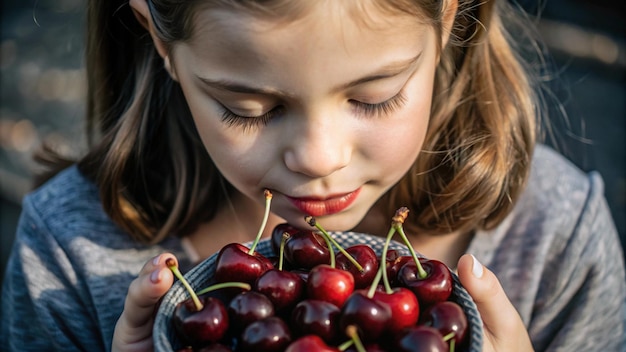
(238, 15)
(304, 22)
(326, 46)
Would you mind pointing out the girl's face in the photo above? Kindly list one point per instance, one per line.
(328, 111)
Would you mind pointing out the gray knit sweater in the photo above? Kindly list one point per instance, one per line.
(557, 256)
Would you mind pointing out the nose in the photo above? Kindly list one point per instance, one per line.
(318, 146)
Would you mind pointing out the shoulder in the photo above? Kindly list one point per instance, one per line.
(557, 254)
(557, 185)
(574, 249)
(67, 210)
(68, 246)
(560, 221)
(68, 191)
(561, 205)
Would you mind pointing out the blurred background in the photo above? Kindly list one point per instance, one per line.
(42, 86)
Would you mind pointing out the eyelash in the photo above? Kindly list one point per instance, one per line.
(363, 109)
(232, 119)
(379, 109)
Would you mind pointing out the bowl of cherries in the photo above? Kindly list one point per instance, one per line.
(313, 290)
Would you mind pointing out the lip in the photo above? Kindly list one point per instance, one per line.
(317, 206)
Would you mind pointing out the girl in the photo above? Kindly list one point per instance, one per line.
(346, 110)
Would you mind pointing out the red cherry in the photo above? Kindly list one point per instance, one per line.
(305, 249)
(420, 339)
(310, 343)
(368, 260)
(215, 347)
(329, 284)
(203, 326)
(234, 263)
(270, 334)
(370, 316)
(435, 287)
(248, 307)
(394, 263)
(447, 317)
(404, 307)
(370, 347)
(320, 318)
(277, 234)
(283, 288)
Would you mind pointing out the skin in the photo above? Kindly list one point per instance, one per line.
(319, 141)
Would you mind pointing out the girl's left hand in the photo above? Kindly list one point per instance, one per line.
(503, 327)
(133, 331)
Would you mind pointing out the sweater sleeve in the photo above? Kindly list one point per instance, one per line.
(580, 302)
(44, 305)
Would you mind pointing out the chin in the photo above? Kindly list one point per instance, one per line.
(334, 222)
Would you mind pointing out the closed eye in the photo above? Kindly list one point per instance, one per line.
(233, 119)
(379, 109)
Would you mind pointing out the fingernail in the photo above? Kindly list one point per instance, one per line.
(477, 268)
(155, 261)
(155, 277)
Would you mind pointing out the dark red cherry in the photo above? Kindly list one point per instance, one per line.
(306, 249)
(366, 257)
(248, 307)
(310, 343)
(277, 235)
(447, 317)
(436, 286)
(283, 288)
(420, 339)
(203, 326)
(394, 263)
(316, 317)
(234, 263)
(370, 316)
(215, 347)
(269, 335)
(370, 347)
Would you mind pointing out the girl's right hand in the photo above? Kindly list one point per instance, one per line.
(133, 331)
(502, 325)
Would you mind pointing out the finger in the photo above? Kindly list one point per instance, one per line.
(144, 293)
(501, 321)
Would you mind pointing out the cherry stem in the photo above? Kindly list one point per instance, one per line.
(344, 346)
(383, 260)
(450, 339)
(173, 266)
(352, 332)
(235, 284)
(281, 251)
(311, 221)
(379, 274)
(396, 223)
(266, 215)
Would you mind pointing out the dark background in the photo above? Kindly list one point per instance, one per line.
(42, 87)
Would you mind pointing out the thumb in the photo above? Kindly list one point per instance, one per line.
(503, 326)
(133, 330)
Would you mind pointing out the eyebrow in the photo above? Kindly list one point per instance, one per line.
(388, 71)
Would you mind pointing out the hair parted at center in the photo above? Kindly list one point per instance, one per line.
(156, 179)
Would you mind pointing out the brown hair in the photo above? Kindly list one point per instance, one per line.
(155, 177)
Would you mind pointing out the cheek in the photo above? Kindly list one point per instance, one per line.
(397, 144)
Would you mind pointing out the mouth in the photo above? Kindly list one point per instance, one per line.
(315, 206)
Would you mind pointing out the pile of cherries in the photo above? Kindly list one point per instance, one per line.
(310, 298)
